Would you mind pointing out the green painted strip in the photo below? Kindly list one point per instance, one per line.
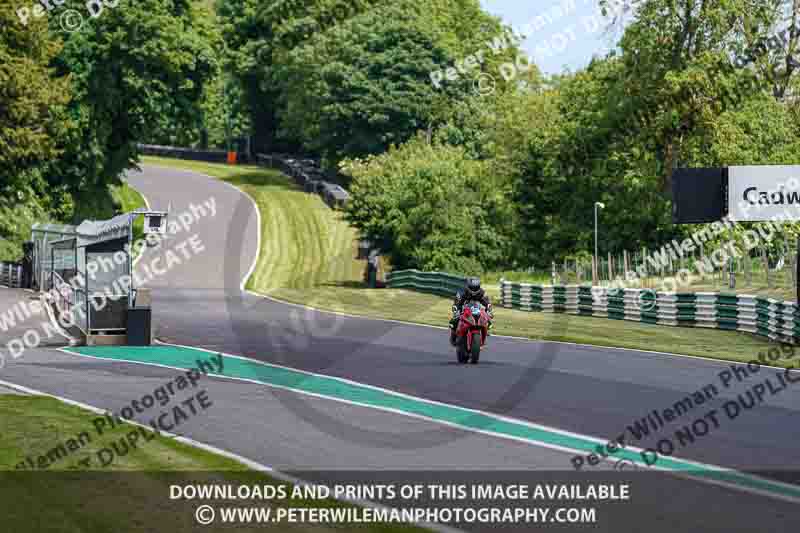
(234, 367)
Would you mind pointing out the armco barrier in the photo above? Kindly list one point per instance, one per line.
(779, 321)
(307, 174)
(176, 152)
(433, 282)
(305, 171)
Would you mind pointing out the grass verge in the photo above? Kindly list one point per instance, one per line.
(131, 493)
(307, 253)
(304, 243)
(129, 199)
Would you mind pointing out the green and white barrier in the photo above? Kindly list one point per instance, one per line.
(770, 318)
(433, 282)
(779, 321)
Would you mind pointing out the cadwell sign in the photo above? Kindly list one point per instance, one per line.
(764, 193)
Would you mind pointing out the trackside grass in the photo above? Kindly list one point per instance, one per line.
(304, 244)
(129, 199)
(307, 253)
(130, 494)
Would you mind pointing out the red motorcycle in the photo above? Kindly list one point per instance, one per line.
(471, 333)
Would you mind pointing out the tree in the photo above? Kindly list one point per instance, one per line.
(257, 33)
(32, 126)
(677, 57)
(130, 67)
(431, 207)
(305, 64)
(363, 85)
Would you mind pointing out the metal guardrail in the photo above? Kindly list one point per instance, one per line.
(211, 156)
(305, 171)
(68, 301)
(62, 292)
(776, 320)
(434, 282)
(11, 274)
(308, 175)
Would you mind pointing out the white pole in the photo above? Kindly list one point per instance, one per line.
(131, 218)
(596, 256)
(596, 252)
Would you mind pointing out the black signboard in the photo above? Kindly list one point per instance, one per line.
(699, 195)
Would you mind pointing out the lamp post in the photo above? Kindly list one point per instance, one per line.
(596, 255)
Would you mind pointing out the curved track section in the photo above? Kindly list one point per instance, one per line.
(591, 391)
(594, 391)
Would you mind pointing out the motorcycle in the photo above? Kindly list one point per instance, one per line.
(471, 333)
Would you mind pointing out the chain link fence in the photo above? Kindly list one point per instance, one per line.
(761, 272)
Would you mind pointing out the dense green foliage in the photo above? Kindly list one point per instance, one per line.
(673, 94)
(73, 105)
(442, 177)
(349, 78)
(433, 206)
(130, 67)
(33, 126)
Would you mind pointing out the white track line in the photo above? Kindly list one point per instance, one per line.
(503, 436)
(276, 473)
(600, 441)
(363, 317)
(240, 191)
(254, 465)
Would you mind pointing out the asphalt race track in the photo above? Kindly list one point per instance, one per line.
(590, 391)
(594, 391)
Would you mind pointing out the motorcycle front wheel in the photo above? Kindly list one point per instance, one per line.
(476, 348)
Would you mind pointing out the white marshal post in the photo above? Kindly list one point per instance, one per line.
(155, 223)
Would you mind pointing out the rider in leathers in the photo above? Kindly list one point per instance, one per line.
(472, 293)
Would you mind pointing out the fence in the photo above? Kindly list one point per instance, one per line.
(11, 274)
(761, 271)
(433, 282)
(767, 317)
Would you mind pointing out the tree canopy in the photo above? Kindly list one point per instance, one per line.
(444, 175)
(73, 105)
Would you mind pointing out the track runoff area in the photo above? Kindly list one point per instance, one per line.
(426, 443)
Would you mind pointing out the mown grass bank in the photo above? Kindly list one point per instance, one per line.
(304, 244)
(129, 199)
(129, 494)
